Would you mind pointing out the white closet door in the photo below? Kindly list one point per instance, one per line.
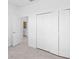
(64, 33)
(47, 32)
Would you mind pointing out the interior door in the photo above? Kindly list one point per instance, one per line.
(47, 32)
(17, 32)
(64, 33)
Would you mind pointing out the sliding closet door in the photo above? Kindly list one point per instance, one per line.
(64, 33)
(47, 32)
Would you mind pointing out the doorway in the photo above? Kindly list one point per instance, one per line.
(25, 22)
(24, 29)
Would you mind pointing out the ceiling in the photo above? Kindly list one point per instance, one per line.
(21, 3)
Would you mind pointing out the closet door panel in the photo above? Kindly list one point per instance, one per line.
(47, 32)
(64, 33)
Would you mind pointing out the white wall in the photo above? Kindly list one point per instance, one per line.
(39, 7)
(13, 15)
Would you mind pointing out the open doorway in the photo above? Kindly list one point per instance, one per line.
(25, 22)
(24, 29)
